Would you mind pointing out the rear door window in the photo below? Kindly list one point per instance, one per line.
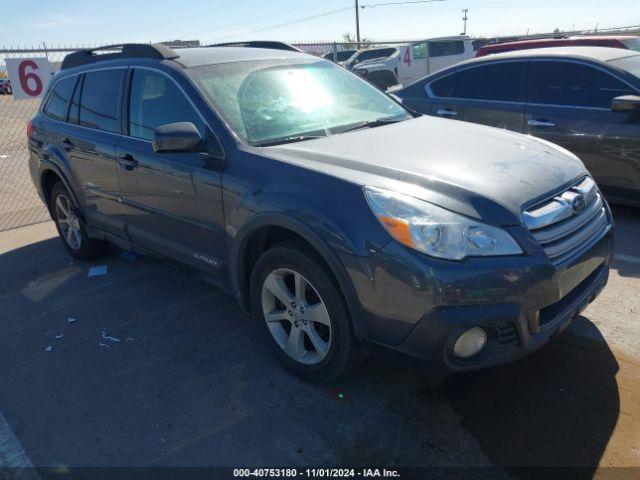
(58, 102)
(492, 82)
(574, 84)
(100, 100)
(155, 101)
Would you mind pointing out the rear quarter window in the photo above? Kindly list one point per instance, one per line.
(100, 100)
(58, 101)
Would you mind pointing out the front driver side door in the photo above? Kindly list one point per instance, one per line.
(172, 201)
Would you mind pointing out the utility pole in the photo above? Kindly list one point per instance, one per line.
(357, 25)
(464, 19)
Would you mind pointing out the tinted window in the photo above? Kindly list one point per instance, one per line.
(340, 56)
(59, 99)
(420, 50)
(633, 44)
(445, 48)
(375, 53)
(495, 82)
(99, 102)
(575, 84)
(155, 101)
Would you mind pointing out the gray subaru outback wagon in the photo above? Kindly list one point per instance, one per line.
(340, 220)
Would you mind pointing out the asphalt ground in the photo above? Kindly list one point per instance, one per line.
(189, 382)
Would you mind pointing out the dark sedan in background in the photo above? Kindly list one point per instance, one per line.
(586, 99)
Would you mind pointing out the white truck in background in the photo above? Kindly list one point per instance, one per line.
(412, 61)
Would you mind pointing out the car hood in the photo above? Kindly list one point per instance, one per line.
(479, 171)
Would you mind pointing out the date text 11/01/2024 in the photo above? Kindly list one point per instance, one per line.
(316, 472)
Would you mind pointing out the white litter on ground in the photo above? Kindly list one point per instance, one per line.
(98, 271)
(4, 156)
(49, 348)
(58, 337)
(71, 320)
(107, 337)
(103, 345)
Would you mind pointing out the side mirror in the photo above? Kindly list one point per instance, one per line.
(176, 137)
(626, 103)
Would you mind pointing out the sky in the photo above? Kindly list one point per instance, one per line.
(82, 22)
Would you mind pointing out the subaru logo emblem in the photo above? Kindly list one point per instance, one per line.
(578, 203)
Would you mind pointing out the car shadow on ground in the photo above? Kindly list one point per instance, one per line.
(195, 385)
(627, 232)
(555, 408)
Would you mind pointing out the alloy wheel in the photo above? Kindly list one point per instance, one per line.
(68, 222)
(297, 316)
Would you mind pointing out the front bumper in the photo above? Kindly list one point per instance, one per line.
(418, 306)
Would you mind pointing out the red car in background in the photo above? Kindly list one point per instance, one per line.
(627, 42)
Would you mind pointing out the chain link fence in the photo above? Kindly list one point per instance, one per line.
(20, 204)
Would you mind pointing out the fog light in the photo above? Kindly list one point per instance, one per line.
(470, 343)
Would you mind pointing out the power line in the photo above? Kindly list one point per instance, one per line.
(273, 14)
(284, 24)
(372, 5)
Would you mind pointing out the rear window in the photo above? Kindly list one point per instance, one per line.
(100, 99)
(494, 82)
(446, 48)
(632, 44)
(375, 54)
(58, 102)
(340, 56)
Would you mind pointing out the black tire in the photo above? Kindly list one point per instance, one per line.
(89, 248)
(343, 352)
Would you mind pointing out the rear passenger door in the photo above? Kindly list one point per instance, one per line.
(89, 140)
(172, 201)
(490, 94)
(570, 105)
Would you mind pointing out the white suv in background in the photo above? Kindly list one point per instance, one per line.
(412, 61)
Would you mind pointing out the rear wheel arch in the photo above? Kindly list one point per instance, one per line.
(48, 178)
(268, 231)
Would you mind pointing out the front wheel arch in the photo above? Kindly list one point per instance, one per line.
(267, 230)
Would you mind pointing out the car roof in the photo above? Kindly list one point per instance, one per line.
(602, 54)
(587, 38)
(195, 57)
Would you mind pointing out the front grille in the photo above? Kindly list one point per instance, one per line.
(570, 222)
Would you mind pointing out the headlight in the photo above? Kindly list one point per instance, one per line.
(435, 231)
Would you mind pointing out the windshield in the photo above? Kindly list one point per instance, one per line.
(632, 44)
(630, 64)
(269, 100)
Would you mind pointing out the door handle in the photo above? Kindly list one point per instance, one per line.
(541, 123)
(127, 162)
(447, 112)
(67, 145)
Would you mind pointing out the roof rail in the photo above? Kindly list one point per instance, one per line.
(111, 52)
(260, 44)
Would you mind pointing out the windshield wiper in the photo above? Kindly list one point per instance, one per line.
(372, 123)
(292, 139)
